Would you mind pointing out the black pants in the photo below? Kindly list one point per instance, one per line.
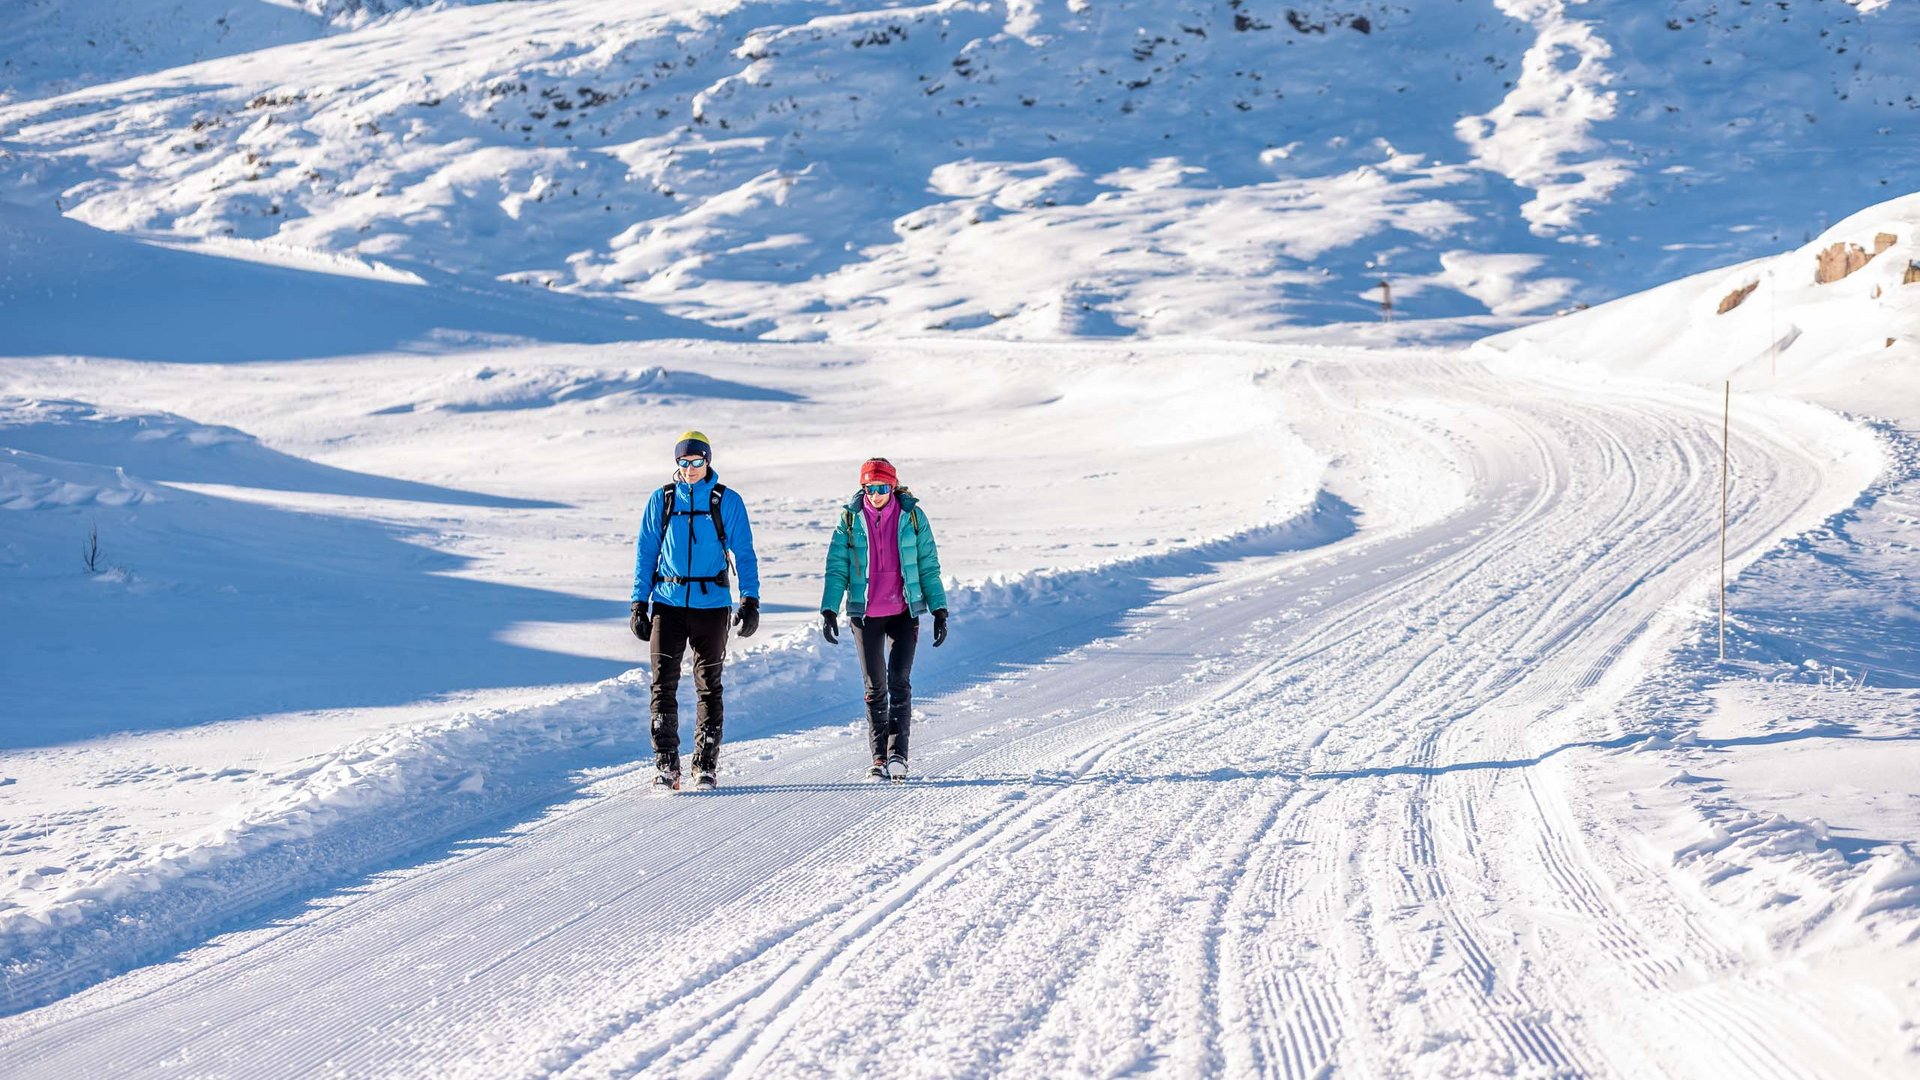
(674, 628)
(888, 677)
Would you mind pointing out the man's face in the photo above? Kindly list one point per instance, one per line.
(693, 468)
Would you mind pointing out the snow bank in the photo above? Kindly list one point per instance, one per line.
(410, 785)
(1786, 803)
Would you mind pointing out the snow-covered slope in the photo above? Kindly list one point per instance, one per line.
(1032, 168)
(1806, 322)
(53, 45)
(67, 288)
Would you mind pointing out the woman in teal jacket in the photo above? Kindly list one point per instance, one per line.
(882, 561)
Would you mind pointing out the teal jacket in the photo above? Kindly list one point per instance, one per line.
(919, 560)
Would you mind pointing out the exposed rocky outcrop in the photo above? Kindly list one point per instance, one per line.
(1733, 299)
(1837, 261)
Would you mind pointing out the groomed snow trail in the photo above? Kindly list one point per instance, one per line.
(1308, 812)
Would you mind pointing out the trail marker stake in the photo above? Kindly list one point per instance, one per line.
(1773, 333)
(1727, 427)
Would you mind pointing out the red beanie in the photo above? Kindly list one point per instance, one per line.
(879, 471)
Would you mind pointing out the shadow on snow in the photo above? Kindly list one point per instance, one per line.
(69, 289)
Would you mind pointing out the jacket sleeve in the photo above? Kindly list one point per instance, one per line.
(839, 566)
(733, 511)
(647, 557)
(931, 587)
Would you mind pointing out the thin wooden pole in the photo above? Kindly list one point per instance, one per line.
(1727, 427)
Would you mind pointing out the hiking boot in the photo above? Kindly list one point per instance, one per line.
(666, 773)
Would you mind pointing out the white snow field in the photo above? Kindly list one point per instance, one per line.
(1323, 697)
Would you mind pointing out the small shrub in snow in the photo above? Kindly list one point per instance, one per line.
(90, 551)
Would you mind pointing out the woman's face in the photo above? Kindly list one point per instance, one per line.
(878, 499)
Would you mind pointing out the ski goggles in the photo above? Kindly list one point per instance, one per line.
(878, 489)
(691, 462)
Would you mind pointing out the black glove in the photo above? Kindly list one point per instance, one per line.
(640, 622)
(747, 619)
(830, 627)
(939, 627)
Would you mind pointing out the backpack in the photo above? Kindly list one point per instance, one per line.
(718, 492)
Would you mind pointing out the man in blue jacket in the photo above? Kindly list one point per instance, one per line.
(682, 596)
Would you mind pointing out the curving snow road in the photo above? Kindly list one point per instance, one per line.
(1319, 808)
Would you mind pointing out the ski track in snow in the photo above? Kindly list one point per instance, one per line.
(1316, 811)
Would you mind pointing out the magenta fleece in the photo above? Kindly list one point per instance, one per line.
(886, 588)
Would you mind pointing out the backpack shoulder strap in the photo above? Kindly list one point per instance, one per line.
(666, 509)
(713, 510)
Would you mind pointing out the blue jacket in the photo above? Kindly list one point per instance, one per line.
(690, 548)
